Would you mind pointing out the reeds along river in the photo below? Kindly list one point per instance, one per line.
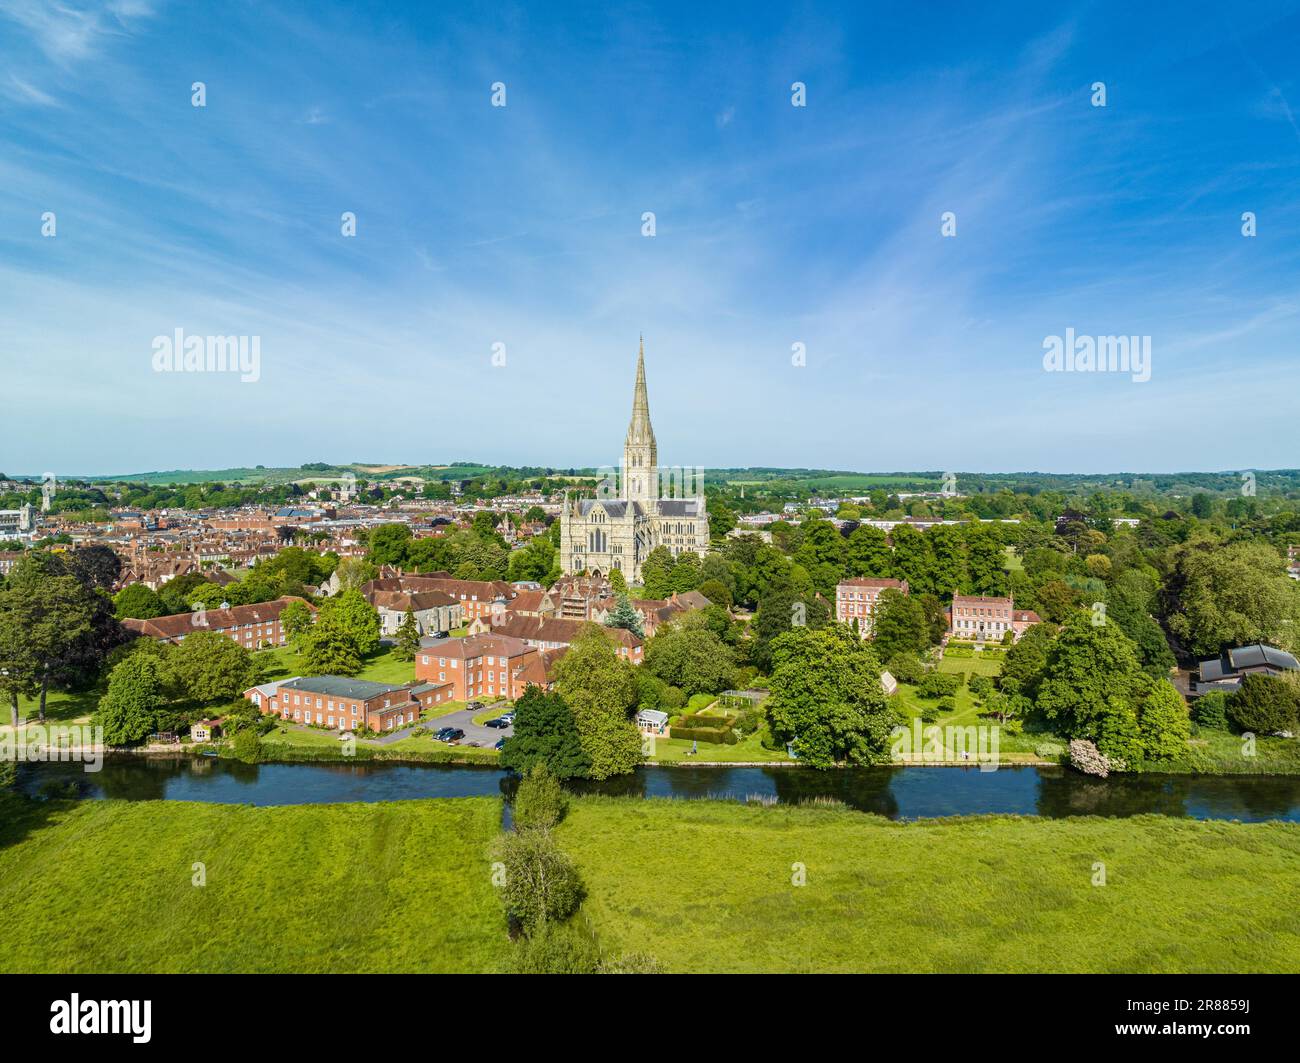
(899, 793)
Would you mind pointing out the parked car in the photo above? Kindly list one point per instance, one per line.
(474, 706)
(499, 743)
(450, 734)
(499, 723)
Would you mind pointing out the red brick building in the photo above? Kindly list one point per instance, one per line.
(857, 599)
(481, 666)
(251, 626)
(346, 704)
(554, 633)
(978, 618)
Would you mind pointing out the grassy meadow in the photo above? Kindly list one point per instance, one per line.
(707, 886)
(106, 886)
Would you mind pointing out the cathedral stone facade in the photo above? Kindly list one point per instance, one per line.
(603, 535)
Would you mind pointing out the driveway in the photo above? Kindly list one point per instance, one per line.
(464, 719)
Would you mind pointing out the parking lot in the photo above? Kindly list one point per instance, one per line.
(475, 734)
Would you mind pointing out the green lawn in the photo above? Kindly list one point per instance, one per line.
(749, 748)
(706, 886)
(106, 886)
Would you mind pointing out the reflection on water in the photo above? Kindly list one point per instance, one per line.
(899, 793)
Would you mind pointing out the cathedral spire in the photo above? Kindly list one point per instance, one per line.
(640, 452)
(639, 429)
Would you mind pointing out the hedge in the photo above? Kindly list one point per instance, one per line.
(704, 734)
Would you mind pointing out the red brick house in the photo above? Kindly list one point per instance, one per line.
(251, 626)
(858, 598)
(488, 665)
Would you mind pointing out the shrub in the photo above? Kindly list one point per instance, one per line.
(566, 948)
(671, 698)
(247, 746)
(1088, 759)
(541, 884)
(1210, 711)
(540, 802)
(947, 705)
(749, 721)
(906, 668)
(938, 685)
(1264, 704)
(704, 734)
(929, 713)
(981, 686)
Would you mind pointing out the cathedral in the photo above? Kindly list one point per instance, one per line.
(602, 535)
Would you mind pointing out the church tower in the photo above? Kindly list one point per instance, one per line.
(640, 452)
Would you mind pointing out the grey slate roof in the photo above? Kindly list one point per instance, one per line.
(338, 686)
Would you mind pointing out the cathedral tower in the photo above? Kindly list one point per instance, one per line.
(640, 452)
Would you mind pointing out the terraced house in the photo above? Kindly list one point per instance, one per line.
(251, 626)
(347, 704)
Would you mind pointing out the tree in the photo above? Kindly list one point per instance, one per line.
(295, 620)
(388, 544)
(129, 711)
(329, 650)
(540, 885)
(781, 609)
(601, 690)
(693, 659)
(1224, 596)
(826, 697)
(1163, 722)
(624, 616)
(533, 562)
(899, 625)
(1090, 682)
(1264, 704)
(96, 566)
(1026, 660)
(1128, 604)
(247, 745)
(867, 553)
(545, 732)
(1057, 599)
(352, 616)
(716, 592)
(540, 801)
(56, 628)
(354, 572)
(207, 667)
(408, 638)
(657, 573)
(618, 581)
(687, 573)
(821, 554)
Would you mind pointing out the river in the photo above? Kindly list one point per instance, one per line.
(898, 793)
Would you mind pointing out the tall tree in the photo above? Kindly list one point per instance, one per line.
(129, 711)
(545, 732)
(826, 697)
(408, 638)
(601, 690)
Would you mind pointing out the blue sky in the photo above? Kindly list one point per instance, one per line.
(775, 225)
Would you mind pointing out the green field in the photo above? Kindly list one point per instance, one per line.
(706, 886)
(107, 886)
